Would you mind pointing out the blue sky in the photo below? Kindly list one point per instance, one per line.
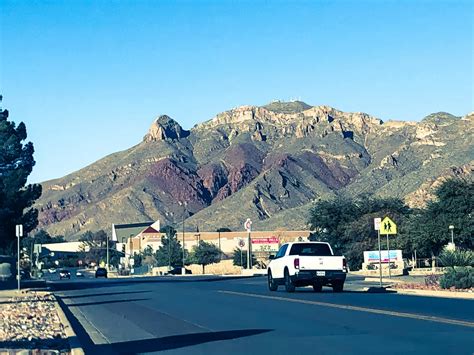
(88, 77)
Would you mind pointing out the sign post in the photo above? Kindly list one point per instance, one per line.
(248, 227)
(388, 227)
(377, 222)
(241, 245)
(19, 234)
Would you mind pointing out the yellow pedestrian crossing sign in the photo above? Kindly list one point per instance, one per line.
(388, 226)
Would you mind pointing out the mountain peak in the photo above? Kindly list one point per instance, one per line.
(164, 127)
(287, 107)
(440, 117)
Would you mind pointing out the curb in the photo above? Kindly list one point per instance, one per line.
(377, 279)
(439, 294)
(75, 345)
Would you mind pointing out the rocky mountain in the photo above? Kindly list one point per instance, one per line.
(266, 163)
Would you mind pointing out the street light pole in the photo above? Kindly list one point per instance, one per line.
(169, 254)
(451, 227)
(183, 270)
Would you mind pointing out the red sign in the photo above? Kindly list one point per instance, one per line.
(270, 240)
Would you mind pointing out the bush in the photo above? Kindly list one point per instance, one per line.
(459, 277)
(458, 257)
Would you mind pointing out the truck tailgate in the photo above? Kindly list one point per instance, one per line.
(320, 262)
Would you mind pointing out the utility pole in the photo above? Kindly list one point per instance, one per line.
(183, 270)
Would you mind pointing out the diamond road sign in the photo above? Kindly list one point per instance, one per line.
(388, 226)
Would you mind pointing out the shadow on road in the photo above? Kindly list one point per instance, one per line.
(156, 344)
(104, 294)
(95, 303)
(68, 286)
(175, 341)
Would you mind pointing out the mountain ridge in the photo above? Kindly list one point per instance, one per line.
(262, 162)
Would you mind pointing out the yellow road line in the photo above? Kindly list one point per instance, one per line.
(356, 308)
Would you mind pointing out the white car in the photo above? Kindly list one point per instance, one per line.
(307, 264)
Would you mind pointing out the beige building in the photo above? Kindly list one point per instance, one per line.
(226, 241)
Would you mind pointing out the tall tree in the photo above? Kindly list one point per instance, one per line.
(16, 197)
(170, 251)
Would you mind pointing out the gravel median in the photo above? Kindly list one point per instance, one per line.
(31, 322)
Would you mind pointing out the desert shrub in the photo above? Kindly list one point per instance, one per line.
(458, 257)
(459, 277)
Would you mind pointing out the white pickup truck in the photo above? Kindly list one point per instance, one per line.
(307, 264)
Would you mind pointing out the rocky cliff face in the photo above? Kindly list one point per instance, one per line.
(267, 163)
(164, 128)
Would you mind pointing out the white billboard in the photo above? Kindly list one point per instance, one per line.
(372, 256)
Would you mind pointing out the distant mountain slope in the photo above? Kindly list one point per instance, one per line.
(267, 163)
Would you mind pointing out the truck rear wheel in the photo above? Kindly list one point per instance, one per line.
(289, 286)
(338, 286)
(272, 285)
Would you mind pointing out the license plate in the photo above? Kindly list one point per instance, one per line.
(320, 273)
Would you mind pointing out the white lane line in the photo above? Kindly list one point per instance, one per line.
(356, 308)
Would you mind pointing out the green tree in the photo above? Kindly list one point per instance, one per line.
(137, 259)
(205, 254)
(429, 228)
(16, 197)
(347, 224)
(148, 257)
(170, 251)
(237, 257)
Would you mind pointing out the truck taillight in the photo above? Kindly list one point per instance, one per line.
(344, 263)
(296, 263)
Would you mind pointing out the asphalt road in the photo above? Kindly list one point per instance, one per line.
(192, 315)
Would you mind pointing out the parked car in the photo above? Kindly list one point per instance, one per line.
(178, 271)
(52, 270)
(307, 264)
(101, 272)
(64, 274)
(79, 273)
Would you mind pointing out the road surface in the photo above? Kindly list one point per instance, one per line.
(189, 315)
